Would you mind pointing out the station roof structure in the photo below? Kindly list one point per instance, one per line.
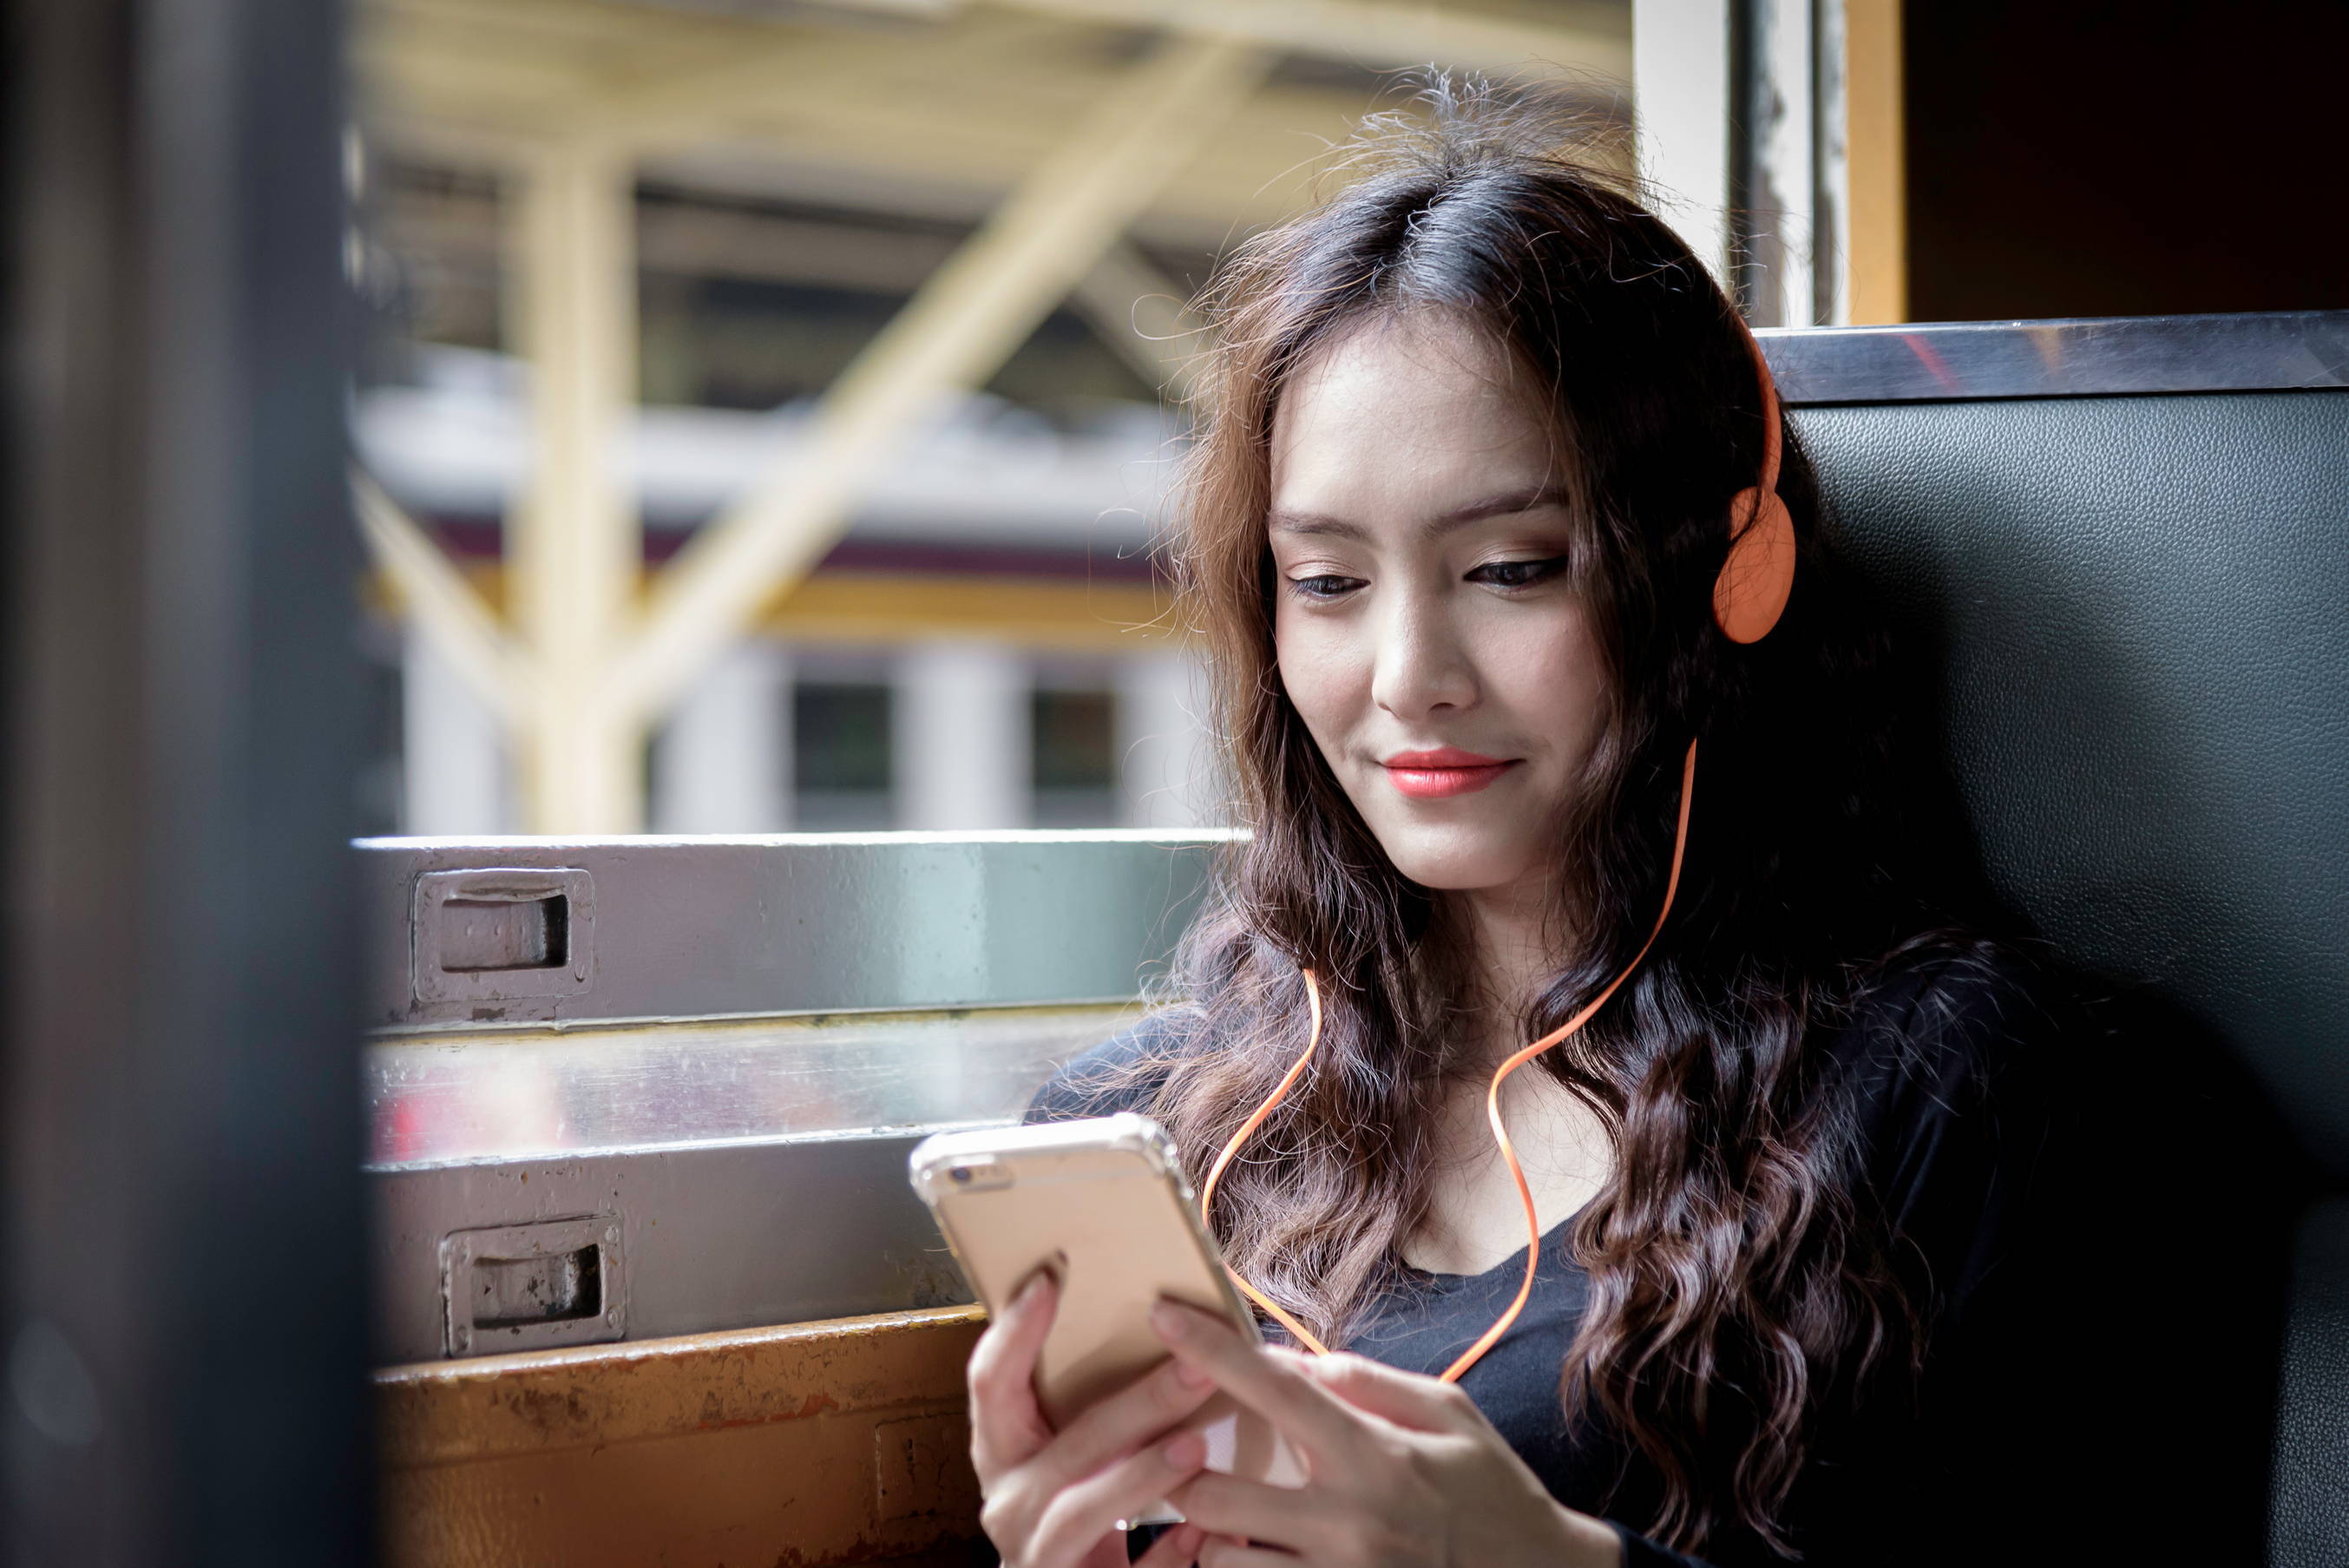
(930, 107)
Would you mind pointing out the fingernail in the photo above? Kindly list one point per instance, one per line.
(1171, 1321)
(1188, 1451)
(1191, 1377)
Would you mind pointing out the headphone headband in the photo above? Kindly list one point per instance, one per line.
(1773, 432)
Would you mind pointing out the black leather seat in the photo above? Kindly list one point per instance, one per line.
(2133, 618)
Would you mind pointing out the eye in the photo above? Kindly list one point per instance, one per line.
(1325, 585)
(1518, 574)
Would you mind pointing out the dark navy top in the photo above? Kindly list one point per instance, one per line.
(1942, 1060)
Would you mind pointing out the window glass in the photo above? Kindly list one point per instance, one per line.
(841, 759)
(1073, 735)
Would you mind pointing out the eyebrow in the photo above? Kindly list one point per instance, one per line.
(1283, 520)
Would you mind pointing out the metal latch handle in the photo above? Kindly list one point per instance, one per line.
(503, 932)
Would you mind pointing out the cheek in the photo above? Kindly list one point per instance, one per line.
(1547, 671)
(1327, 678)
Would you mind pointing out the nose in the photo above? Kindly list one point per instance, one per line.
(1422, 665)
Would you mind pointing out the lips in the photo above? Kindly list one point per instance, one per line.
(1444, 772)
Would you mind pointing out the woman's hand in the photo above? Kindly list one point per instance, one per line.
(1054, 1500)
(1405, 1472)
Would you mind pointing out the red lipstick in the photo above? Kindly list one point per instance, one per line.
(1446, 771)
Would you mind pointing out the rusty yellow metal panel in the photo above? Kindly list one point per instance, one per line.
(780, 1447)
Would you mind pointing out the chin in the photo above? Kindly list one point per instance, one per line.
(1447, 864)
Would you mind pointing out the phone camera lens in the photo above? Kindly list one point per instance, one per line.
(960, 1173)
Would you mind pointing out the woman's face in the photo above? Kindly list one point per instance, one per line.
(1427, 627)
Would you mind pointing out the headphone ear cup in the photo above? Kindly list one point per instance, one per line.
(1750, 592)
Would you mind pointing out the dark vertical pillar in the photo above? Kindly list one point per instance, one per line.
(182, 1347)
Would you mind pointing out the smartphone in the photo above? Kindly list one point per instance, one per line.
(1103, 1205)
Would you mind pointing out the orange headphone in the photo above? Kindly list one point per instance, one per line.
(1748, 597)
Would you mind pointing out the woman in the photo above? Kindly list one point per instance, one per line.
(1467, 476)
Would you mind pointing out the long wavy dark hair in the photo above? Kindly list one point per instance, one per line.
(1739, 1277)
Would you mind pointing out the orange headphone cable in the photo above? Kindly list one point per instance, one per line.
(1491, 1336)
(1304, 1336)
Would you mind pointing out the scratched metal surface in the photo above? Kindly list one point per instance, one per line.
(1936, 362)
(442, 1096)
(674, 928)
(729, 1050)
(756, 1168)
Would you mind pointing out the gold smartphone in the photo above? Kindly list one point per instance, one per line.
(1103, 1206)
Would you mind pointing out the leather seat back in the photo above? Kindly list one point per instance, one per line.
(2135, 614)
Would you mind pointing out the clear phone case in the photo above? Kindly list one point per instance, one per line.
(1104, 1205)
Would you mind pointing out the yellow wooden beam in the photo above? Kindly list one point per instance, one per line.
(1368, 32)
(1876, 147)
(940, 121)
(953, 333)
(1144, 317)
(573, 545)
(444, 606)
